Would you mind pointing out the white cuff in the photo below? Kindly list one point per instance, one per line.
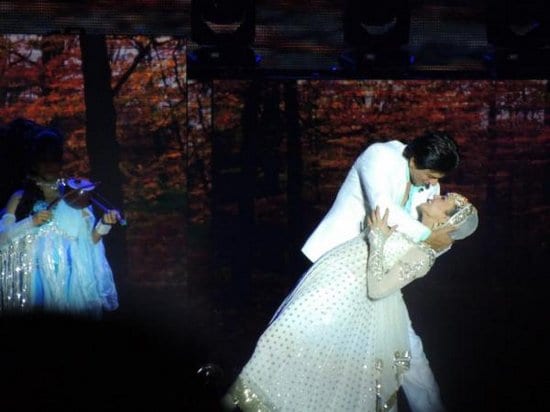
(102, 228)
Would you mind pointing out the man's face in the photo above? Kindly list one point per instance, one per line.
(423, 177)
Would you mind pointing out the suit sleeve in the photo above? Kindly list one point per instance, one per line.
(376, 168)
(382, 281)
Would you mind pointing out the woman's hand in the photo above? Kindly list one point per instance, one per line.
(41, 217)
(104, 224)
(111, 217)
(376, 222)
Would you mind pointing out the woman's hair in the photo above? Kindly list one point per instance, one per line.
(464, 217)
(31, 194)
(14, 142)
(45, 146)
(433, 150)
(26, 144)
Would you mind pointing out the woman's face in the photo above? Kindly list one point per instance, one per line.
(438, 208)
(48, 170)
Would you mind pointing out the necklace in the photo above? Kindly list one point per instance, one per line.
(48, 185)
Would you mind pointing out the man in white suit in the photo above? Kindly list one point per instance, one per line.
(398, 177)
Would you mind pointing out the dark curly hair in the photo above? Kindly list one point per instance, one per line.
(433, 150)
(25, 144)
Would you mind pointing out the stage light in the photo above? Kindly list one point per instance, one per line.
(515, 24)
(375, 31)
(230, 22)
(225, 32)
(519, 32)
(376, 25)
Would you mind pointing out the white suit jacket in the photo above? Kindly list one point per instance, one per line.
(378, 177)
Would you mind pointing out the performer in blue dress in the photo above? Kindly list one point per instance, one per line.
(52, 257)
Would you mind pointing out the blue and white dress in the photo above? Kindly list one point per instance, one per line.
(55, 267)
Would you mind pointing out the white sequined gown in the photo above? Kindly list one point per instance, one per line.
(339, 341)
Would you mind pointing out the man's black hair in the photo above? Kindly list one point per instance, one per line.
(433, 150)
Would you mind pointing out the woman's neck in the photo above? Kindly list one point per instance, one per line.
(427, 220)
(49, 187)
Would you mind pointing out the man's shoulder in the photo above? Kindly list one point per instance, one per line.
(392, 149)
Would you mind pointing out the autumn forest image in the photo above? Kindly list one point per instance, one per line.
(222, 180)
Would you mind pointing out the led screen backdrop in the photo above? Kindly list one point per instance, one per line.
(97, 17)
(300, 36)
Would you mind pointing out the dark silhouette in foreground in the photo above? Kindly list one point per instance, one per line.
(61, 363)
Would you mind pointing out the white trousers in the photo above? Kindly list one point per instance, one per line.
(419, 384)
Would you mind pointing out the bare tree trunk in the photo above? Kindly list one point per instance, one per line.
(243, 263)
(103, 148)
(297, 261)
(547, 104)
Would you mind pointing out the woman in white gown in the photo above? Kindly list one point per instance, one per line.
(339, 341)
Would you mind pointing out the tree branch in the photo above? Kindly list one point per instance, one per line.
(143, 51)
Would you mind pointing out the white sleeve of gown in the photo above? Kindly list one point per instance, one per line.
(10, 229)
(382, 281)
(103, 272)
